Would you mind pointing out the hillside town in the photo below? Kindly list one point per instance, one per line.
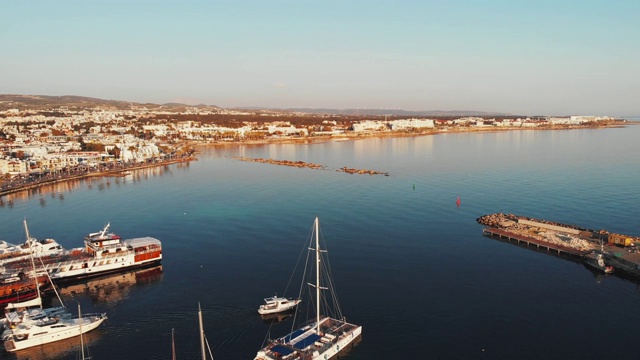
(40, 143)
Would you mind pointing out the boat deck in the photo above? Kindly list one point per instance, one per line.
(304, 343)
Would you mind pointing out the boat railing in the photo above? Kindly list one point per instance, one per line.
(94, 315)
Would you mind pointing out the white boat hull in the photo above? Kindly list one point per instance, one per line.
(88, 266)
(318, 352)
(265, 310)
(51, 334)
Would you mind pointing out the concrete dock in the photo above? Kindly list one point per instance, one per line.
(529, 241)
(567, 240)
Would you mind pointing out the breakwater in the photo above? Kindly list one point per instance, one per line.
(302, 164)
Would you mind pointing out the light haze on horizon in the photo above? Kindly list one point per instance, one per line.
(521, 57)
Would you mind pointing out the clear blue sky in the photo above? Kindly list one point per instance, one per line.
(526, 57)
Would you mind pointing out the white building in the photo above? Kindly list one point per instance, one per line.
(404, 124)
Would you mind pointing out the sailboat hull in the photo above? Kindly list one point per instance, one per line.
(306, 343)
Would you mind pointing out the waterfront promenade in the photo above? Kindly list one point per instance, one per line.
(116, 169)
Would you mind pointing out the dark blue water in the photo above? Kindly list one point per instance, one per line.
(409, 265)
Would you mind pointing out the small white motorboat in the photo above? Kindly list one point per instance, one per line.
(277, 304)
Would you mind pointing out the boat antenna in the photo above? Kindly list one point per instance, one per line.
(104, 231)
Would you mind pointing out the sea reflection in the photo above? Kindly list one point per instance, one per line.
(112, 288)
(58, 349)
(276, 318)
(100, 182)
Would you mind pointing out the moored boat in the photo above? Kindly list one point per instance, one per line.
(10, 252)
(277, 304)
(323, 337)
(103, 253)
(596, 262)
(23, 289)
(50, 329)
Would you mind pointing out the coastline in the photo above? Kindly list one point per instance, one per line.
(385, 134)
(121, 171)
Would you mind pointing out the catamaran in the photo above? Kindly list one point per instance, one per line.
(322, 338)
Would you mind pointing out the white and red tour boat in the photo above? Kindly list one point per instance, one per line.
(103, 253)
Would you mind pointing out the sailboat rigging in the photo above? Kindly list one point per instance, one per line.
(323, 337)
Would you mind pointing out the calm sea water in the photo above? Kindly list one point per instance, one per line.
(409, 265)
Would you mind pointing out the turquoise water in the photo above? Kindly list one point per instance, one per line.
(410, 266)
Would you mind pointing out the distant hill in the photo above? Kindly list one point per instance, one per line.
(72, 102)
(398, 112)
(45, 102)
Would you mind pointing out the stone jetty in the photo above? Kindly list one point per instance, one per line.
(361, 171)
(299, 164)
(302, 164)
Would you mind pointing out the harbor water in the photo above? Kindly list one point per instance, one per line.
(409, 264)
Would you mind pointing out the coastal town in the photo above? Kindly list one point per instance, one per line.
(44, 139)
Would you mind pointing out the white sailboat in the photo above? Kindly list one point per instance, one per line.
(322, 338)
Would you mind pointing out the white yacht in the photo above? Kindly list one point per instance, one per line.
(50, 329)
(277, 304)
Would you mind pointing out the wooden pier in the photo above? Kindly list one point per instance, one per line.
(529, 241)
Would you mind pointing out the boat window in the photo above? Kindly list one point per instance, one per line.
(42, 333)
(58, 326)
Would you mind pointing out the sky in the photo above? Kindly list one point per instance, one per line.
(534, 57)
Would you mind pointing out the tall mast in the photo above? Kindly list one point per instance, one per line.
(33, 263)
(173, 346)
(317, 279)
(81, 336)
(204, 354)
